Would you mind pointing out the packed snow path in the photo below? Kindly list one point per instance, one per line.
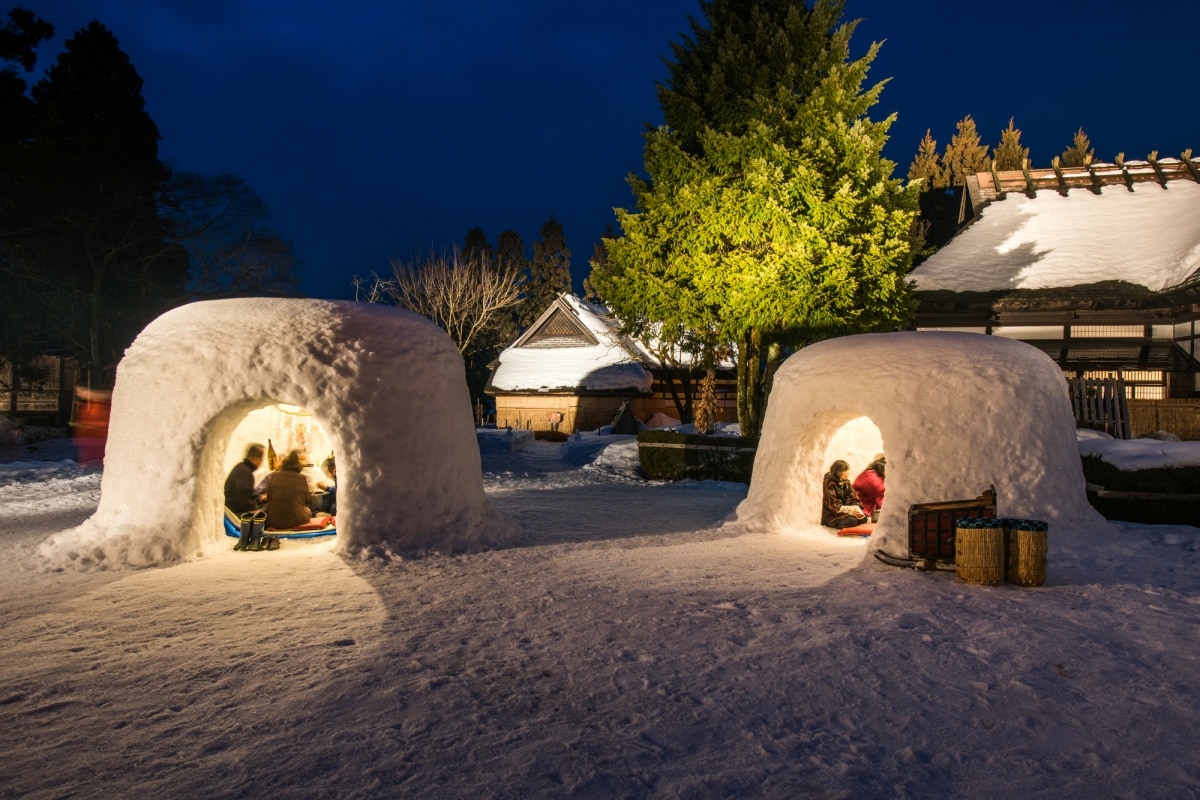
(628, 647)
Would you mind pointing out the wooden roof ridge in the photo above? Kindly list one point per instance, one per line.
(1094, 177)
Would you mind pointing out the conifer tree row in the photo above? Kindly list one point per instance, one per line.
(97, 235)
(966, 155)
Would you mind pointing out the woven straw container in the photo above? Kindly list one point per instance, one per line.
(1027, 548)
(979, 551)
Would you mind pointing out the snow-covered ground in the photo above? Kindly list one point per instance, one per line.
(627, 646)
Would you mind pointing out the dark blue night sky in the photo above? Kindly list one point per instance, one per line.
(387, 129)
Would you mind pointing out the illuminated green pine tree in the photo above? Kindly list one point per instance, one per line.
(1080, 153)
(927, 165)
(768, 217)
(1009, 154)
(965, 155)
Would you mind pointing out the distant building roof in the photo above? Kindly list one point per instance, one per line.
(1144, 232)
(573, 345)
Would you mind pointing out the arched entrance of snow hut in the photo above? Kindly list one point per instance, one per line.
(957, 413)
(279, 426)
(388, 386)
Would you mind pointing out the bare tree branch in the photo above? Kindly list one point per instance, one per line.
(464, 297)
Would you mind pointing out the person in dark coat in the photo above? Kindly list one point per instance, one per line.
(869, 487)
(288, 496)
(839, 505)
(239, 485)
(330, 469)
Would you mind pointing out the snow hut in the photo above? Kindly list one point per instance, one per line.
(958, 414)
(388, 386)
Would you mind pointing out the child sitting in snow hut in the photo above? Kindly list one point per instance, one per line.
(840, 508)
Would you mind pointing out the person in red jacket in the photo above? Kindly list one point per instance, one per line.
(869, 487)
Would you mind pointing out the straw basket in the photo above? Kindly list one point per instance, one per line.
(979, 551)
(1027, 547)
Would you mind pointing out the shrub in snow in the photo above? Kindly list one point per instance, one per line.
(958, 413)
(388, 386)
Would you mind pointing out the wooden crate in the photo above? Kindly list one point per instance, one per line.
(931, 526)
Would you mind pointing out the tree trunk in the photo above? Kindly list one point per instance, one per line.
(750, 382)
(774, 351)
(683, 405)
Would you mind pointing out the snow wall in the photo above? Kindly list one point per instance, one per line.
(388, 386)
(958, 413)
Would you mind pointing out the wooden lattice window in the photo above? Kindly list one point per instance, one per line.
(560, 331)
(1108, 331)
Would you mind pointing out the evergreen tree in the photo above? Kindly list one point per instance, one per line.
(965, 155)
(222, 225)
(509, 258)
(1009, 154)
(90, 249)
(476, 247)
(927, 165)
(599, 263)
(768, 217)
(1080, 153)
(21, 328)
(549, 272)
(510, 251)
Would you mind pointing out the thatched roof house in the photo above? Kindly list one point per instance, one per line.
(573, 369)
(1098, 266)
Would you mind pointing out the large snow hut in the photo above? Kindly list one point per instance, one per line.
(387, 386)
(956, 414)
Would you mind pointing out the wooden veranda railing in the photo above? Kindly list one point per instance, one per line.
(1100, 404)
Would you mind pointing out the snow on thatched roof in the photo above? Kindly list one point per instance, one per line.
(573, 345)
(1149, 236)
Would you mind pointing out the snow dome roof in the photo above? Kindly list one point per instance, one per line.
(958, 413)
(573, 345)
(388, 386)
(1149, 236)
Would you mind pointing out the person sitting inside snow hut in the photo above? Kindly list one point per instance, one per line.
(840, 508)
(288, 494)
(869, 488)
(240, 493)
(326, 500)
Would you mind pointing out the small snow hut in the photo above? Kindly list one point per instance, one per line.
(958, 414)
(388, 386)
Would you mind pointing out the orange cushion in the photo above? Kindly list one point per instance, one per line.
(866, 529)
(314, 524)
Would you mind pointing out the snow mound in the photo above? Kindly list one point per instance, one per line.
(1143, 453)
(387, 385)
(958, 413)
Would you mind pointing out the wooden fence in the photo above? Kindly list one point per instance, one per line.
(1180, 417)
(1100, 404)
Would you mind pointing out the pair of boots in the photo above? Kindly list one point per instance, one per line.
(253, 523)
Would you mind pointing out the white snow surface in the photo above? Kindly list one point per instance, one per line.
(387, 386)
(1150, 236)
(955, 414)
(608, 365)
(1135, 454)
(629, 646)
